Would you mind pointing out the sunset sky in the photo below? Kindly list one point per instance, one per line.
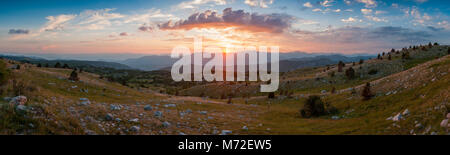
(156, 26)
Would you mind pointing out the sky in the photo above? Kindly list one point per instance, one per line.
(147, 27)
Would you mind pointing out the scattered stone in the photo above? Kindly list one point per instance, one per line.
(406, 112)
(118, 120)
(397, 117)
(158, 114)
(335, 117)
(203, 112)
(389, 118)
(90, 132)
(170, 105)
(323, 91)
(226, 132)
(419, 126)
(148, 108)
(21, 108)
(245, 128)
(134, 120)
(109, 117)
(135, 128)
(434, 133)
(448, 116)
(188, 111)
(115, 107)
(18, 100)
(166, 124)
(444, 123)
(85, 101)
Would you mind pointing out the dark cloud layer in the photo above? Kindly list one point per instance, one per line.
(242, 20)
(18, 31)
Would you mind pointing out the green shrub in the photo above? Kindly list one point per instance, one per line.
(313, 107)
(4, 73)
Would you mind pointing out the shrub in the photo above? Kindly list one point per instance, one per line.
(373, 72)
(57, 65)
(361, 61)
(313, 107)
(366, 93)
(39, 65)
(4, 73)
(332, 74)
(66, 66)
(74, 76)
(18, 67)
(350, 73)
(271, 95)
(46, 65)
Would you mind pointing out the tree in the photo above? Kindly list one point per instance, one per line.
(361, 61)
(46, 65)
(18, 67)
(66, 66)
(333, 90)
(379, 56)
(271, 95)
(39, 65)
(74, 76)
(340, 66)
(430, 45)
(350, 73)
(313, 107)
(366, 93)
(332, 73)
(392, 50)
(436, 44)
(57, 65)
(389, 56)
(448, 51)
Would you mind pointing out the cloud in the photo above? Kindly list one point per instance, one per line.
(326, 3)
(259, 3)
(308, 5)
(366, 11)
(123, 34)
(194, 3)
(148, 15)
(350, 20)
(419, 18)
(145, 28)
(55, 23)
(420, 1)
(401, 34)
(368, 3)
(18, 31)
(376, 19)
(238, 19)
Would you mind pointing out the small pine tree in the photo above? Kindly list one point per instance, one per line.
(333, 90)
(229, 100)
(389, 56)
(74, 76)
(350, 73)
(18, 67)
(392, 50)
(39, 65)
(366, 93)
(46, 65)
(448, 51)
(341, 65)
(436, 44)
(81, 70)
(332, 74)
(379, 56)
(361, 61)
(313, 107)
(430, 45)
(57, 65)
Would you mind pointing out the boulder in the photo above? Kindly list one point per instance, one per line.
(158, 114)
(135, 128)
(406, 112)
(245, 128)
(226, 132)
(148, 108)
(397, 117)
(109, 117)
(166, 124)
(444, 123)
(18, 100)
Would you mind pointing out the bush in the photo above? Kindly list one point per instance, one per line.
(57, 65)
(74, 76)
(4, 73)
(332, 74)
(361, 61)
(350, 73)
(271, 95)
(367, 93)
(39, 65)
(313, 107)
(373, 72)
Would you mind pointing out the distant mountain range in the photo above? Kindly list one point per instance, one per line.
(288, 61)
(71, 63)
